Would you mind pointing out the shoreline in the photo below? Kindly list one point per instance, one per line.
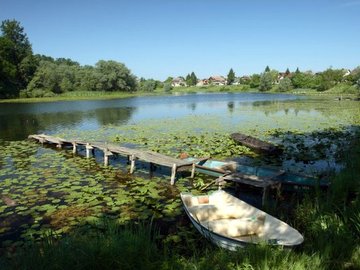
(90, 95)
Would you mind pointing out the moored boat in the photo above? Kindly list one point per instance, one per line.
(256, 144)
(214, 167)
(288, 180)
(232, 223)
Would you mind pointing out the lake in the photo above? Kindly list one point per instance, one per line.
(18, 120)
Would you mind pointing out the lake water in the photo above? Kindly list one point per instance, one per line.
(18, 120)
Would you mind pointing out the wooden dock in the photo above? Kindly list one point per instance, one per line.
(263, 183)
(133, 154)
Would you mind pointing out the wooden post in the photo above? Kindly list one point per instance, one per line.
(107, 153)
(173, 174)
(74, 147)
(151, 169)
(265, 190)
(193, 170)
(132, 164)
(106, 160)
(88, 148)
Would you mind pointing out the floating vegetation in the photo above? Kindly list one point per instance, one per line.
(57, 191)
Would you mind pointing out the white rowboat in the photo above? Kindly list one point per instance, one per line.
(232, 223)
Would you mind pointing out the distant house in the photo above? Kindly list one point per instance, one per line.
(217, 80)
(202, 82)
(346, 72)
(245, 79)
(281, 76)
(178, 81)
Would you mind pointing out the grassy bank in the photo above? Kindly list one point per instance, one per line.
(78, 95)
(330, 223)
(340, 90)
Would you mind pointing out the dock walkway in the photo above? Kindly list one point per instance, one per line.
(263, 183)
(133, 154)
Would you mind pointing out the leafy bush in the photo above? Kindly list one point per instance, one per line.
(167, 87)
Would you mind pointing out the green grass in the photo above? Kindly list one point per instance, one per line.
(78, 95)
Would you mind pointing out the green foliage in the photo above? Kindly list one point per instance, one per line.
(169, 80)
(255, 81)
(191, 79)
(16, 67)
(13, 31)
(230, 77)
(329, 78)
(148, 85)
(267, 69)
(63, 75)
(285, 85)
(167, 87)
(266, 81)
(354, 76)
(114, 76)
(303, 80)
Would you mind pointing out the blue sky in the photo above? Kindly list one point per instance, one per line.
(161, 38)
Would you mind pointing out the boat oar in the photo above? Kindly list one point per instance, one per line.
(220, 181)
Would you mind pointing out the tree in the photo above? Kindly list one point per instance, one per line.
(265, 81)
(149, 85)
(8, 70)
(267, 69)
(169, 80)
(285, 85)
(114, 76)
(167, 87)
(12, 31)
(255, 81)
(193, 78)
(231, 77)
(329, 78)
(354, 75)
(188, 80)
(303, 80)
(287, 72)
(14, 48)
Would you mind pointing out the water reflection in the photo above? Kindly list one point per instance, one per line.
(230, 106)
(19, 126)
(18, 120)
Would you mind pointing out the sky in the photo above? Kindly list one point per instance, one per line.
(161, 38)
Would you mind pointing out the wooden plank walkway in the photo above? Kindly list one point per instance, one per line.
(252, 180)
(133, 154)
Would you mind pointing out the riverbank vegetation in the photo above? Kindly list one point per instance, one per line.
(28, 75)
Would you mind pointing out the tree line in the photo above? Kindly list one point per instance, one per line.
(25, 74)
